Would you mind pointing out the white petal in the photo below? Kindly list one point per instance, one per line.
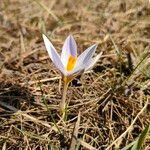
(84, 60)
(86, 55)
(54, 55)
(77, 70)
(69, 48)
(86, 66)
(93, 62)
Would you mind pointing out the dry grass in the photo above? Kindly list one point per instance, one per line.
(109, 97)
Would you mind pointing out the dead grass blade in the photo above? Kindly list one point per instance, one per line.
(49, 11)
(75, 133)
(19, 112)
(86, 145)
(129, 128)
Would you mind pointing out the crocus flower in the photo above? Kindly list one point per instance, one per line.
(68, 63)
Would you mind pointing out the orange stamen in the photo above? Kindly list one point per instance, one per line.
(71, 63)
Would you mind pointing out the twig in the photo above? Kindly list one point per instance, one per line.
(42, 80)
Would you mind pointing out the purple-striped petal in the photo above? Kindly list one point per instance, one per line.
(54, 55)
(86, 56)
(93, 62)
(87, 65)
(69, 48)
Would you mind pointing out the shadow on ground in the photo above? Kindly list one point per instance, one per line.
(14, 97)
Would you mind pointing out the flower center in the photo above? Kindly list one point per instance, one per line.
(71, 63)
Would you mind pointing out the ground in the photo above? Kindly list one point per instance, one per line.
(109, 100)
